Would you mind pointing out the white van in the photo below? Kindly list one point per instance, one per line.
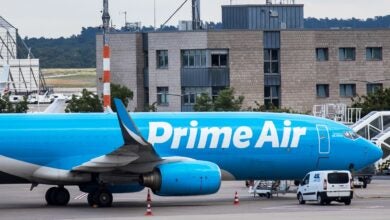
(325, 187)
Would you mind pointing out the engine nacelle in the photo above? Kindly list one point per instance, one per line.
(184, 178)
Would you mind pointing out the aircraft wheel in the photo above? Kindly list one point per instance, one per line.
(61, 196)
(49, 196)
(91, 202)
(58, 196)
(101, 198)
(104, 198)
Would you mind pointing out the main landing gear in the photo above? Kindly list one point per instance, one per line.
(57, 196)
(100, 198)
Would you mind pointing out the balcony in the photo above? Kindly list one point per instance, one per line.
(205, 77)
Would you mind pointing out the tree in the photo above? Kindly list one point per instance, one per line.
(271, 108)
(225, 101)
(122, 93)
(7, 107)
(204, 103)
(88, 102)
(376, 101)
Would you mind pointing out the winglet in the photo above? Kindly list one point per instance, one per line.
(130, 131)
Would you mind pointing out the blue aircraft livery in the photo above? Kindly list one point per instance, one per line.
(174, 154)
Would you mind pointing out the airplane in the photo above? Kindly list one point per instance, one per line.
(173, 154)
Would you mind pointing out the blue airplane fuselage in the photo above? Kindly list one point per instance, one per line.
(245, 145)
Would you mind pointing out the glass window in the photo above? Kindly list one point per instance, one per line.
(373, 87)
(162, 59)
(374, 53)
(322, 90)
(194, 58)
(338, 178)
(347, 54)
(305, 180)
(219, 60)
(271, 96)
(322, 54)
(162, 95)
(271, 61)
(215, 92)
(347, 90)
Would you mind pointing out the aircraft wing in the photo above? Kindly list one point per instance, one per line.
(136, 150)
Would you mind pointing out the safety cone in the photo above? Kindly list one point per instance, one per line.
(236, 200)
(148, 210)
(149, 198)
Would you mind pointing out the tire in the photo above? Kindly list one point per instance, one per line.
(347, 202)
(90, 200)
(61, 196)
(327, 202)
(364, 184)
(103, 198)
(49, 196)
(300, 199)
(320, 200)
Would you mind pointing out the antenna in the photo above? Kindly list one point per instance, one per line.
(125, 13)
(196, 24)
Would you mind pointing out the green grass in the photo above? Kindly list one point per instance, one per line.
(70, 78)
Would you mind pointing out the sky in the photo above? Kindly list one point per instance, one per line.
(56, 18)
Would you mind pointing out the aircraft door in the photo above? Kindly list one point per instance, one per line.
(323, 140)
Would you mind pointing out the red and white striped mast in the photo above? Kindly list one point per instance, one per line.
(106, 57)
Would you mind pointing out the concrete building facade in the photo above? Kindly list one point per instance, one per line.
(280, 64)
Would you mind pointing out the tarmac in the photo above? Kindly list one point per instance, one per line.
(17, 202)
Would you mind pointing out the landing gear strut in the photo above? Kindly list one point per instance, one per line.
(100, 198)
(57, 196)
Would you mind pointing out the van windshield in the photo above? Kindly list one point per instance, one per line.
(338, 178)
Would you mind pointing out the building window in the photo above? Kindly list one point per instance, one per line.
(215, 92)
(162, 95)
(347, 54)
(219, 60)
(146, 58)
(194, 58)
(373, 87)
(189, 98)
(374, 53)
(322, 90)
(271, 61)
(162, 59)
(322, 54)
(347, 90)
(271, 96)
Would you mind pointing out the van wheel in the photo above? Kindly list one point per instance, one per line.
(320, 200)
(300, 199)
(347, 202)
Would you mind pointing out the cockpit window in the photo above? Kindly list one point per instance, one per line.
(351, 135)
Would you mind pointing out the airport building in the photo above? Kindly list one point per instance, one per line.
(18, 75)
(263, 52)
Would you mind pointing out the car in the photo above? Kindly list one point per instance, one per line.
(326, 186)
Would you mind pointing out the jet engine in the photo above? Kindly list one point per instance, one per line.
(183, 178)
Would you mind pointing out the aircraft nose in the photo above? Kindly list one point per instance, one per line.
(374, 153)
